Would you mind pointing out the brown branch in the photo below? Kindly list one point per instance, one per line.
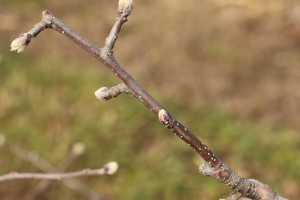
(214, 166)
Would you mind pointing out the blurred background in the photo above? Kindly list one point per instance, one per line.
(227, 69)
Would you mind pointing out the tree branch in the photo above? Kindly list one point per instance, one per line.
(43, 165)
(214, 166)
(76, 150)
(106, 93)
(108, 169)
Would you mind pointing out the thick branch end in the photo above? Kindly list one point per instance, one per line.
(249, 188)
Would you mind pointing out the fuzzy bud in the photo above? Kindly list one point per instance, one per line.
(111, 168)
(103, 94)
(20, 43)
(125, 6)
(165, 118)
(78, 148)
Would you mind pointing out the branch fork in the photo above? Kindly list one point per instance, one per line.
(214, 166)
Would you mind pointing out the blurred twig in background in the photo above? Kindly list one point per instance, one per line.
(33, 158)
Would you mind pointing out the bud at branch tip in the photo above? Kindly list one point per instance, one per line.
(125, 5)
(103, 94)
(111, 168)
(20, 43)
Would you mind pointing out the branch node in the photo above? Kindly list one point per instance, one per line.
(46, 17)
(249, 188)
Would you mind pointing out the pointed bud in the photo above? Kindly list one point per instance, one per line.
(125, 6)
(20, 43)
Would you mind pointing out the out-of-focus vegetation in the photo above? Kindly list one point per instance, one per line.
(229, 70)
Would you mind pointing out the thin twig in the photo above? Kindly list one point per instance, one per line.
(106, 93)
(42, 186)
(54, 176)
(45, 166)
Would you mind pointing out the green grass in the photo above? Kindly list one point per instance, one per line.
(46, 107)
